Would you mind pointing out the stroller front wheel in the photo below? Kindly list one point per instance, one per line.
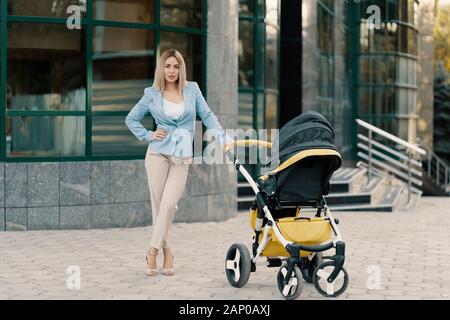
(294, 287)
(238, 265)
(325, 288)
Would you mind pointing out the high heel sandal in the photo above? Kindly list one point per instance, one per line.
(168, 271)
(151, 271)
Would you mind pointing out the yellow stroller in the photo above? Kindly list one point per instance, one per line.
(284, 235)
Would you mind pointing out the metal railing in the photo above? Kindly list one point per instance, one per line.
(396, 157)
(437, 169)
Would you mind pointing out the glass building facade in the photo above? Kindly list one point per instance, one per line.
(387, 84)
(327, 71)
(258, 75)
(349, 68)
(66, 89)
(259, 64)
(353, 68)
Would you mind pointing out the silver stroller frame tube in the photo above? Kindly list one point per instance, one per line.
(291, 247)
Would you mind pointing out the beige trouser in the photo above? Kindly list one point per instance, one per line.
(166, 177)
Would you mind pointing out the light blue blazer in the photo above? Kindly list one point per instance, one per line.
(180, 132)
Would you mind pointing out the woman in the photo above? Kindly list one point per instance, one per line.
(173, 103)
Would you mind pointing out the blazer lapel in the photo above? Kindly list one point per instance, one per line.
(160, 108)
(187, 103)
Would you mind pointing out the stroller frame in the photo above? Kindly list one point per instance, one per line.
(294, 260)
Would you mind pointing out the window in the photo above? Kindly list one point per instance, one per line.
(258, 63)
(190, 46)
(258, 66)
(324, 30)
(260, 55)
(271, 57)
(391, 43)
(141, 11)
(62, 100)
(392, 12)
(260, 121)
(325, 46)
(182, 13)
(45, 8)
(245, 53)
(121, 69)
(110, 136)
(271, 112)
(329, 4)
(365, 100)
(46, 136)
(246, 7)
(245, 111)
(388, 68)
(44, 63)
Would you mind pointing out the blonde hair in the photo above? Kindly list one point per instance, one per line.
(159, 82)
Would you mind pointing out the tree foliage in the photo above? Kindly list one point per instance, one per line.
(442, 36)
(442, 112)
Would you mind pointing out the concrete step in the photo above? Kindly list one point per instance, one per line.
(332, 199)
(245, 202)
(348, 180)
(349, 192)
(348, 198)
(388, 202)
(244, 189)
(363, 207)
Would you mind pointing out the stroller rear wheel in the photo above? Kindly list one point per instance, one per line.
(325, 288)
(238, 265)
(294, 287)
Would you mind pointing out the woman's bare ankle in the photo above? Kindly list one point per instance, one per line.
(151, 257)
(168, 258)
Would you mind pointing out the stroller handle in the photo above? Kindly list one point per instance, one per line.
(238, 165)
(240, 143)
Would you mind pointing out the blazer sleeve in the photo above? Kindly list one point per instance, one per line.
(209, 119)
(135, 116)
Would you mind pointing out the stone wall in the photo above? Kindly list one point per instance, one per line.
(104, 194)
(73, 195)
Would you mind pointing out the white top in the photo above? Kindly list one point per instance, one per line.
(173, 110)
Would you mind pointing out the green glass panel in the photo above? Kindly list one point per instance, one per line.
(182, 13)
(246, 46)
(191, 47)
(46, 67)
(141, 11)
(46, 8)
(245, 120)
(111, 137)
(46, 136)
(121, 69)
(271, 112)
(246, 7)
(271, 57)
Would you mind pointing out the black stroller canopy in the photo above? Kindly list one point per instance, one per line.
(308, 179)
(309, 130)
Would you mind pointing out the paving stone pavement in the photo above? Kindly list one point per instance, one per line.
(409, 250)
